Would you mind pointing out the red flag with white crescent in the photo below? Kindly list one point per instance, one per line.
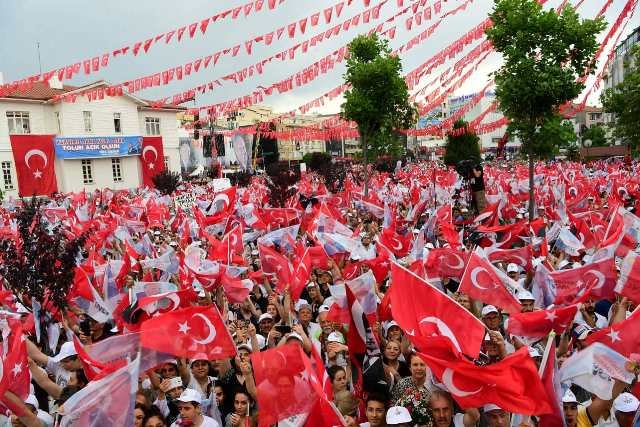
(34, 159)
(151, 159)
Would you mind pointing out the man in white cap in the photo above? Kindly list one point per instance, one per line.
(570, 408)
(625, 407)
(496, 416)
(444, 414)
(491, 318)
(527, 301)
(399, 416)
(189, 405)
(61, 365)
(513, 271)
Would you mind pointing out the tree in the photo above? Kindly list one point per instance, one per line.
(38, 263)
(378, 100)
(166, 181)
(623, 101)
(281, 183)
(463, 146)
(597, 135)
(555, 133)
(545, 56)
(316, 161)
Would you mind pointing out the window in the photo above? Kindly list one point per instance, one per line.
(117, 128)
(87, 172)
(58, 123)
(6, 176)
(116, 170)
(152, 125)
(88, 125)
(166, 163)
(18, 122)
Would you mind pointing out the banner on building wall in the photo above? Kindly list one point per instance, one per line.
(84, 147)
(151, 159)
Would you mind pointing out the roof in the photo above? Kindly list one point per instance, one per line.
(39, 91)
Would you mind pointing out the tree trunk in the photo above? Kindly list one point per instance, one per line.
(532, 200)
(363, 140)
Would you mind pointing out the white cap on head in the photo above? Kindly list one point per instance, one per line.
(335, 337)
(265, 316)
(67, 350)
(512, 268)
(569, 397)
(488, 309)
(533, 352)
(190, 395)
(525, 295)
(323, 308)
(389, 325)
(398, 415)
(295, 336)
(174, 382)
(491, 407)
(626, 402)
(563, 263)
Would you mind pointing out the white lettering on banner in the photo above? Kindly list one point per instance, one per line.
(185, 201)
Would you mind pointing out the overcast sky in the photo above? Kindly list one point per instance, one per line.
(72, 30)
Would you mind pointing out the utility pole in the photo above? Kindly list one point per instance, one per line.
(39, 61)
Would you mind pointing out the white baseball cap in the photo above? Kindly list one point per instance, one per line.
(398, 415)
(569, 397)
(512, 268)
(525, 295)
(31, 400)
(190, 395)
(491, 407)
(626, 402)
(67, 350)
(335, 337)
(174, 382)
(489, 309)
(323, 308)
(389, 325)
(295, 336)
(265, 316)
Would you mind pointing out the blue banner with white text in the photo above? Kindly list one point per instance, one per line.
(83, 147)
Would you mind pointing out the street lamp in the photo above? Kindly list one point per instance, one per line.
(587, 144)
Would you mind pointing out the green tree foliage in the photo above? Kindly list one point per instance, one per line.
(623, 101)
(555, 133)
(465, 146)
(597, 135)
(544, 56)
(316, 161)
(378, 100)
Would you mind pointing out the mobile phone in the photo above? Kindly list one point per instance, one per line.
(283, 329)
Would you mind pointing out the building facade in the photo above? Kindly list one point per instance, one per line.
(111, 119)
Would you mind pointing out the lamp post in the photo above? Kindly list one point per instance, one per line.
(587, 144)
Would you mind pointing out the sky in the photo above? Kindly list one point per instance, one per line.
(69, 31)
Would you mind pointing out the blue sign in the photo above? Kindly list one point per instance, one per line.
(83, 147)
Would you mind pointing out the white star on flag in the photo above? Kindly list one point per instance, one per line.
(37, 174)
(151, 165)
(550, 316)
(17, 368)
(183, 327)
(614, 335)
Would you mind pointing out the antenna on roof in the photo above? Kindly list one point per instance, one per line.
(39, 61)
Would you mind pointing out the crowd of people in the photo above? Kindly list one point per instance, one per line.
(324, 305)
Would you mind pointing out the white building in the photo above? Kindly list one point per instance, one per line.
(34, 112)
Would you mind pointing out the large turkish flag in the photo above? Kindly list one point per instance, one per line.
(34, 155)
(152, 158)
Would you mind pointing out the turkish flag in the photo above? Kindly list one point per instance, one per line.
(300, 275)
(629, 281)
(519, 256)
(189, 332)
(551, 382)
(273, 262)
(484, 282)
(16, 377)
(513, 384)
(422, 310)
(34, 156)
(152, 158)
(622, 337)
(397, 244)
(539, 323)
(236, 290)
(596, 279)
(283, 383)
(94, 369)
(445, 262)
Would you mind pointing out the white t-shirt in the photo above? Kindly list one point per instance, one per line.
(601, 321)
(61, 375)
(206, 422)
(194, 384)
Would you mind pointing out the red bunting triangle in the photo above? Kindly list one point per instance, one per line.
(314, 19)
(291, 29)
(247, 8)
(258, 5)
(327, 14)
(204, 24)
(196, 65)
(366, 15)
(192, 29)
(268, 38)
(181, 32)
(136, 49)
(339, 7)
(235, 51)
(236, 12)
(147, 45)
(167, 37)
(279, 32)
(247, 46)
(272, 4)
(303, 25)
